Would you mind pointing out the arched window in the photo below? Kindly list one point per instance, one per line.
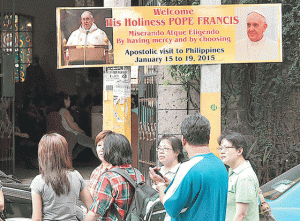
(23, 42)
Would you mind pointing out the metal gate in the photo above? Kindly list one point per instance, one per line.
(147, 119)
(7, 86)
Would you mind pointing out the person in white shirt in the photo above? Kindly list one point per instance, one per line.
(70, 125)
(170, 155)
(88, 34)
(256, 46)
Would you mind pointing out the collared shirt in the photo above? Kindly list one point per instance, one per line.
(169, 174)
(243, 187)
(113, 189)
(94, 179)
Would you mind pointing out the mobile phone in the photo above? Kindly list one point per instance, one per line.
(158, 173)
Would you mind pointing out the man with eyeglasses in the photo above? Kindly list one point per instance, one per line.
(199, 189)
(243, 188)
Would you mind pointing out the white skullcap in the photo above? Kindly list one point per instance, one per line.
(258, 12)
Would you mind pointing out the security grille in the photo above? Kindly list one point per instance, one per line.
(147, 119)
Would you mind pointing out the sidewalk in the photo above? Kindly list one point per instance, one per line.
(84, 165)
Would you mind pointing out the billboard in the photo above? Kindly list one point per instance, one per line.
(164, 35)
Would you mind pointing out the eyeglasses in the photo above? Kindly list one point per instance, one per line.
(224, 148)
(163, 148)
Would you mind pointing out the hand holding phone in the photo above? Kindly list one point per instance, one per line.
(155, 175)
(158, 173)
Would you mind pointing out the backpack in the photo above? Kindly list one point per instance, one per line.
(145, 202)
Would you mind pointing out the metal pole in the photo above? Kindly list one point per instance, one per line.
(210, 95)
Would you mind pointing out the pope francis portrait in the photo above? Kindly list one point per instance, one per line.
(88, 34)
(256, 46)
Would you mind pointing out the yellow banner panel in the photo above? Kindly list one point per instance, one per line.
(164, 35)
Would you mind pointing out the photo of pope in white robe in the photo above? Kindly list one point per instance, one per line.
(90, 36)
(256, 46)
(88, 44)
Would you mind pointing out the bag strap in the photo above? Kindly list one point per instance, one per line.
(127, 177)
(116, 212)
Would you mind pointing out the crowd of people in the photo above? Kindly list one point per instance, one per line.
(197, 188)
(31, 123)
(202, 189)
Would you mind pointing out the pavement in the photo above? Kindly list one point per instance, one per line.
(84, 164)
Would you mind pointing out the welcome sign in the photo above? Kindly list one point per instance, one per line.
(164, 35)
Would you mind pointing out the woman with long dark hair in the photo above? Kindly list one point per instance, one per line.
(56, 189)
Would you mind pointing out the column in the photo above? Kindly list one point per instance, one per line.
(116, 99)
(210, 95)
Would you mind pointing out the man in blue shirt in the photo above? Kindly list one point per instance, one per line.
(199, 189)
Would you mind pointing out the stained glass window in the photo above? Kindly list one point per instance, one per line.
(23, 43)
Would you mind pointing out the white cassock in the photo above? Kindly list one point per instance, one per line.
(263, 50)
(93, 36)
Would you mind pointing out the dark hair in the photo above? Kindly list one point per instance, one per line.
(176, 144)
(88, 99)
(117, 150)
(35, 58)
(61, 97)
(54, 162)
(102, 135)
(237, 140)
(26, 103)
(74, 99)
(195, 129)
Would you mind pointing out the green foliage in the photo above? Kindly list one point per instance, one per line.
(268, 92)
(189, 76)
(167, 83)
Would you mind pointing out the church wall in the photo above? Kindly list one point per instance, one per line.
(44, 41)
